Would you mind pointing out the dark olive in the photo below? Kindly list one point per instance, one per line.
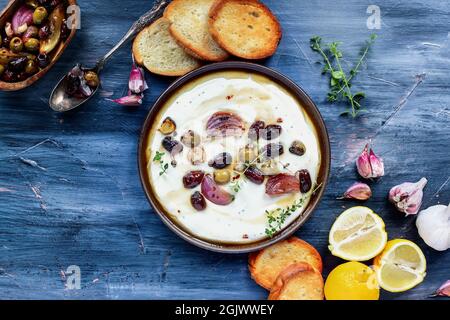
(39, 15)
(31, 67)
(254, 133)
(9, 76)
(305, 180)
(6, 41)
(254, 175)
(271, 132)
(32, 44)
(193, 179)
(44, 32)
(92, 79)
(73, 83)
(43, 60)
(198, 201)
(272, 150)
(298, 148)
(172, 145)
(2, 69)
(16, 45)
(18, 65)
(221, 161)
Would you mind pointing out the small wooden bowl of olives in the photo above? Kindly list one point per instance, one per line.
(33, 35)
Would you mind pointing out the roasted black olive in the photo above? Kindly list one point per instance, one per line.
(254, 175)
(43, 60)
(254, 133)
(271, 132)
(44, 32)
(193, 179)
(221, 161)
(73, 84)
(298, 148)
(172, 145)
(65, 31)
(305, 180)
(9, 76)
(272, 150)
(198, 201)
(18, 65)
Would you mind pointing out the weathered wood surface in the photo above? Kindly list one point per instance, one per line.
(69, 188)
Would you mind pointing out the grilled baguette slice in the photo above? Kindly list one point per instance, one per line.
(267, 264)
(299, 281)
(245, 28)
(157, 50)
(189, 26)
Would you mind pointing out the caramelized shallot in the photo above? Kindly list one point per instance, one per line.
(214, 193)
(282, 184)
(224, 124)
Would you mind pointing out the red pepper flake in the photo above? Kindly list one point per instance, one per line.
(280, 120)
(245, 236)
(230, 97)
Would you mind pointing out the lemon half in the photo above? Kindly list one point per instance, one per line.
(358, 234)
(401, 266)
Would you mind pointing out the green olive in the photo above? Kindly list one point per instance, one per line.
(32, 3)
(222, 176)
(39, 15)
(248, 154)
(16, 45)
(91, 79)
(32, 44)
(2, 69)
(4, 56)
(31, 67)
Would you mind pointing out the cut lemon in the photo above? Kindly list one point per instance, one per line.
(358, 234)
(352, 281)
(401, 266)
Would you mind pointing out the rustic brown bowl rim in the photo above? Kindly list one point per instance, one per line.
(309, 107)
(16, 86)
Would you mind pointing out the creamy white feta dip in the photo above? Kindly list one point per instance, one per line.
(252, 97)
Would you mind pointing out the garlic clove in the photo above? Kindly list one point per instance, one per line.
(358, 191)
(433, 225)
(130, 101)
(443, 291)
(363, 164)
(369, 165)
(407, 197)
(137, 83)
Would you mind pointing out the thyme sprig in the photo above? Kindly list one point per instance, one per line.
(164, 166)
(340, 81)
(276, 218)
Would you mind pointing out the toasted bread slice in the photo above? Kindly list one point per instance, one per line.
(189, 25)
(299, 281)
(157, 50)
(267, 264)
(245, 28)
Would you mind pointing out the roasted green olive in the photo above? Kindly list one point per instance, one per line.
(31, 67)
(222, 176)
(5, 56)
(32, 44)
(16, 45)
(39, 15)
(2, 69)
(248, 154)
(91, 79)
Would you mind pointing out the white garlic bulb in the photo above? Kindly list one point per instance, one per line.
(434, 227)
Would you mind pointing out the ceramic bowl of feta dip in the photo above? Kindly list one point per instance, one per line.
(234, 157)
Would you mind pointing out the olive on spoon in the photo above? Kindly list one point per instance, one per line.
(61, 101)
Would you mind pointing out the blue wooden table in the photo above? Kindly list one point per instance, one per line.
(69, 187)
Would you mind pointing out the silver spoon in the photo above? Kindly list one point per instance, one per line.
(60, 101)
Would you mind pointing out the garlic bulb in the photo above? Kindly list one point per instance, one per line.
(434, 227)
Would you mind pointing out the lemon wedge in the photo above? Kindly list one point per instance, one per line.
(401, 266)
(358, 234)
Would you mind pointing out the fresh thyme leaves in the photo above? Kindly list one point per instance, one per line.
(277, 217)
(164, 166)
(340, 81)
